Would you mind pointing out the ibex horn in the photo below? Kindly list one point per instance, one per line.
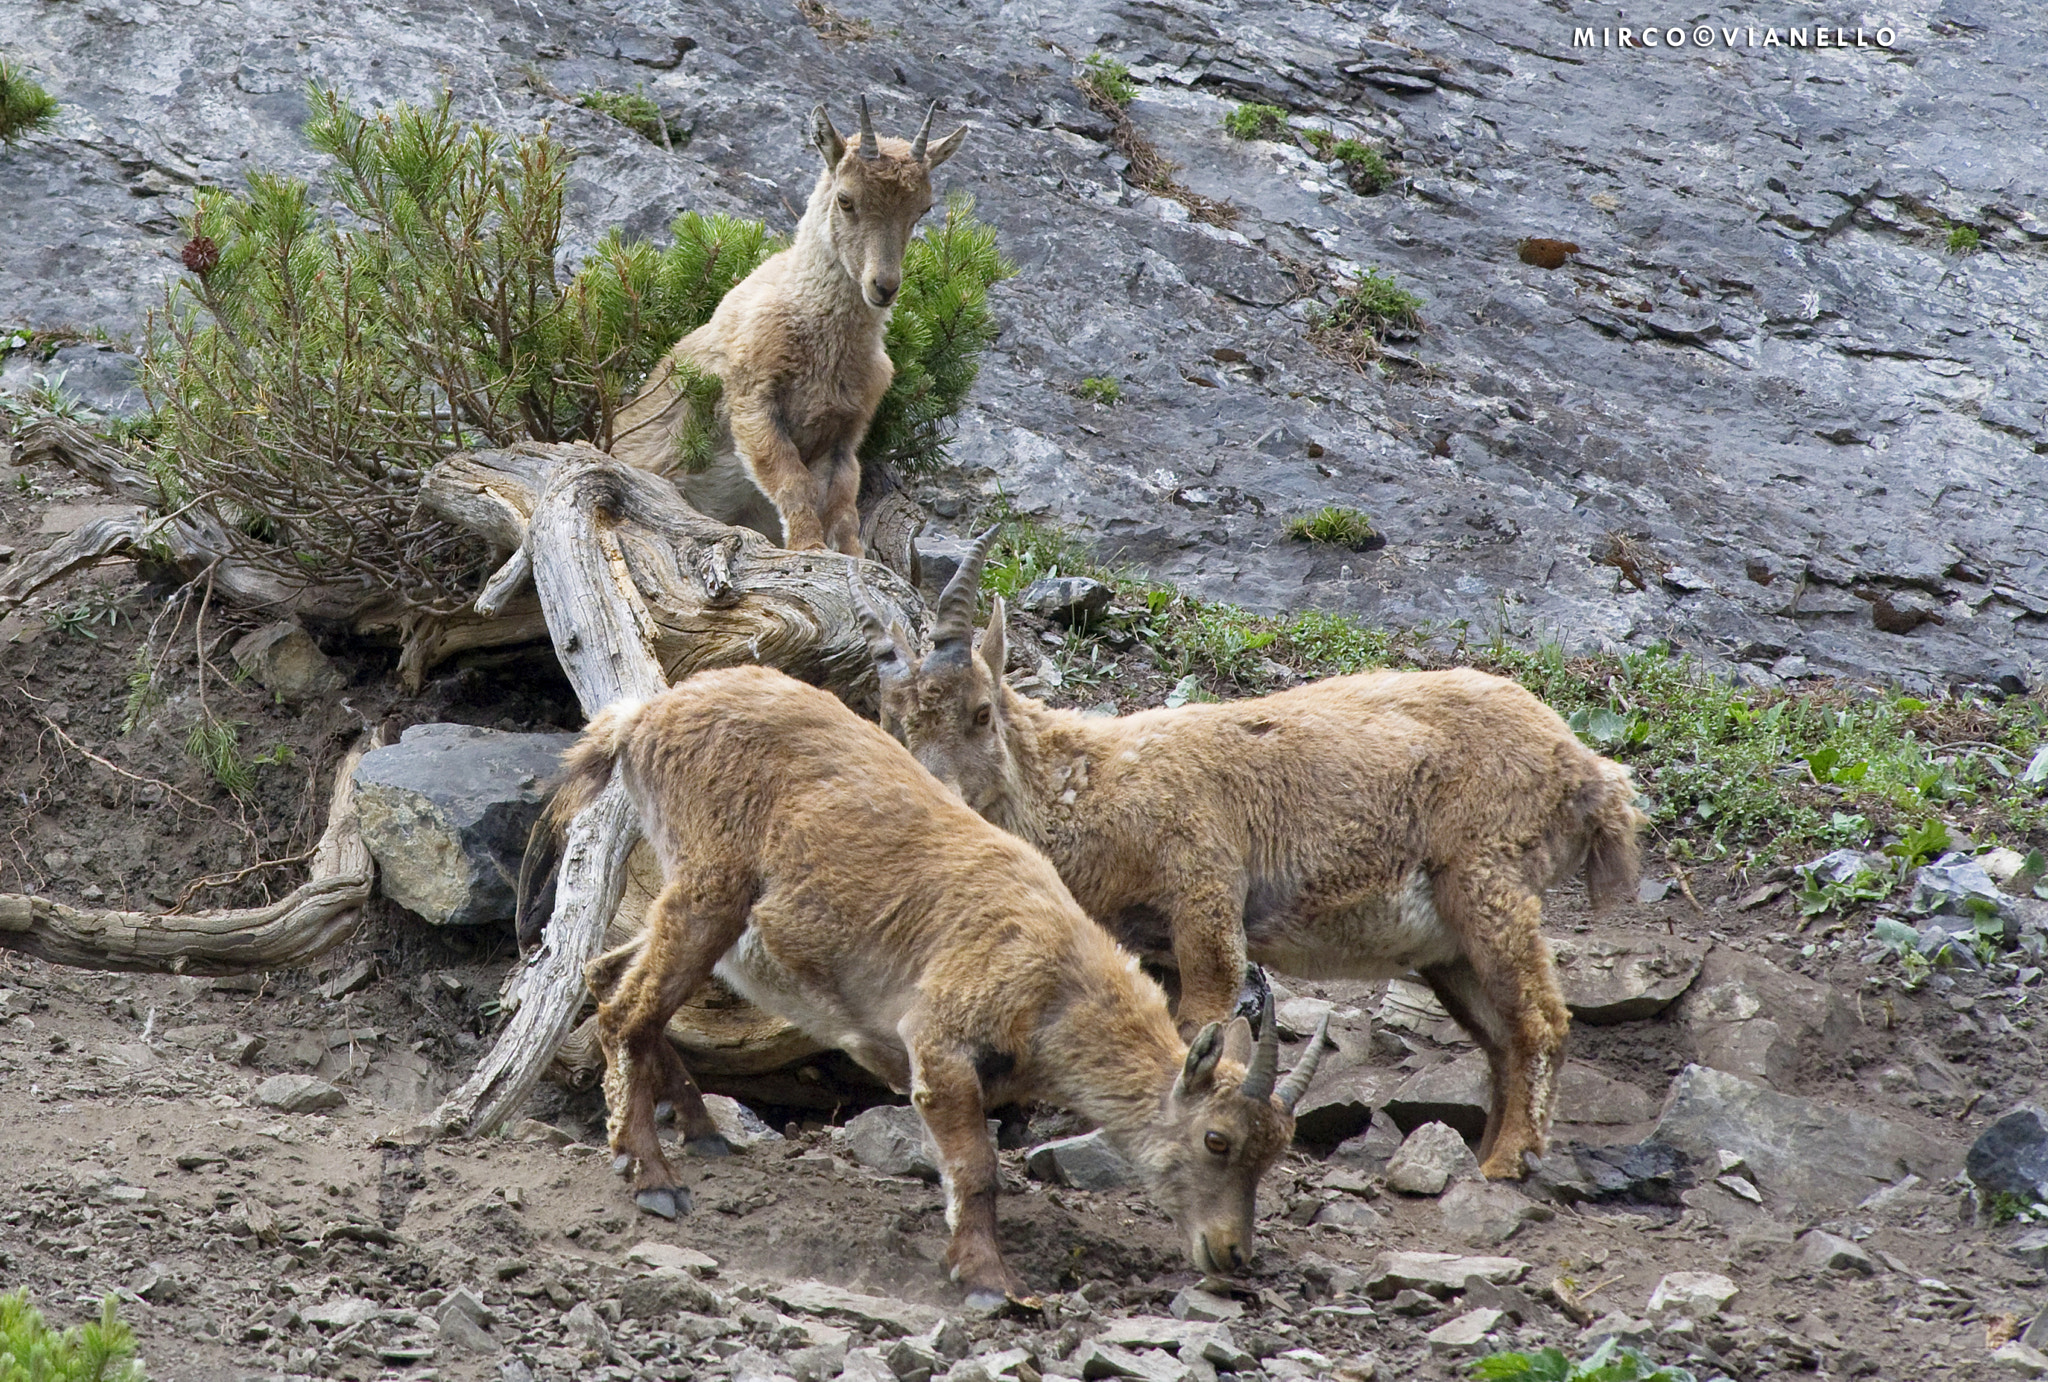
(869, 149)
(924, 132)
(954, 623)
(1265, 1066)
(882, 642)
(1296, 1084)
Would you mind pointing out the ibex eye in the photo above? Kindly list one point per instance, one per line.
(981, 718)
(845, 202)
(1217, 1143)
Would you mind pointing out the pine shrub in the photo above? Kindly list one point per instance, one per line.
(31, 1351)
(24, 106)
(309, 372)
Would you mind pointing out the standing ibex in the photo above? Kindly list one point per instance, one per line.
(1359, 827)
(820, 872)
(797, 349)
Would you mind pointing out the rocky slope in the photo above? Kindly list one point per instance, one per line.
(1762, 369)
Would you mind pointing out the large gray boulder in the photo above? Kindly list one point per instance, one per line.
(1807, 1151)
(446, 811)
(1750, 1018)
(1624, 979)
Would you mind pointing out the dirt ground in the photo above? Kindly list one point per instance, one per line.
(249, 1243)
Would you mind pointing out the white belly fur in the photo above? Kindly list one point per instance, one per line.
(1395, 934)
(755, 975)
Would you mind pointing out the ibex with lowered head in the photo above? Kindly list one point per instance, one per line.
(1358, 827)
(821, 873)
(797, 348)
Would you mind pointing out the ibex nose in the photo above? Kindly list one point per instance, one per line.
(883, 291)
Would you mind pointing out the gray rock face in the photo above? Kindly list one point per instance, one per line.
(282, 658)
(1805, 408)
(445, 812)
(1750, 1018)
(1087, 1162)
(891, 1139)
(1807, 1151)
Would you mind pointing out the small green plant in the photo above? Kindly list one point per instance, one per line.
(1819, 896)
(635, 110)
(31, 1351)
(1252, 121)
(24, 106)
(1919, 844)
(1337, 527)
(1607, 1363)
(1320, 141)
(2003, 1207)
(1101, 389)
(1364, 165)
(84, 619)
(48, 397)
(217, 744)
(1366, 311)
(1963, 240)
(1108, 79)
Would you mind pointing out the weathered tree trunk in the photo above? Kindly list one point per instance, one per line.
(639, 591)
(317, 916)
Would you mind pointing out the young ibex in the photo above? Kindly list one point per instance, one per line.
(1359, 827)
(797, 348)
(820, 872)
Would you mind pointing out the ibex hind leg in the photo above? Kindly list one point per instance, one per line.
(1456, 985)
(1513, 994)
(688, 928)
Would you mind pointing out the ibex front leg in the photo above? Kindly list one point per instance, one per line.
(947, 1094)
(773, 462)
(840, 511)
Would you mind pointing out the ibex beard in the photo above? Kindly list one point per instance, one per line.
(814, 866)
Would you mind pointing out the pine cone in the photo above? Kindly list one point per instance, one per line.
(200, 254)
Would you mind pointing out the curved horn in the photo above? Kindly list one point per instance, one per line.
(869, 149)
(954, 623)
(1265, 1066)
(1297, 1081)
(924, 132)
(883, 643)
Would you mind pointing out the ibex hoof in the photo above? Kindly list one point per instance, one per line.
(666, 1202)
(987, 1302)
(714, 1145)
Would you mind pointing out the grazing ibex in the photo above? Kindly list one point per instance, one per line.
(821, 873)
(1359, 827)
(797, 349)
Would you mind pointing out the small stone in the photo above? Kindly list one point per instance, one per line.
(584, 1325)
(816, 1298)
(2031, 1247)
(1696, 1295)
(353, 979)
(2011, 1157)
(868, 1365)
(1087, 1162)
(1412, 1302)
(1465, 1334)
(665, 1291)
(283, 659)
(1439, 1273)
(741, 1126)
(1609, 981)
(2017, 1357)
(460, 1333)
(667, 1256)
(158, 1285)
(1740, 1188)
(1066, 599)
(1617, 1324)
(465, 1301)
(1826, 1252)
(891, 1139)
(298, 1094)
(339, 1313)
(1193, 1303)
(1483, 1214)
(1432, 1157)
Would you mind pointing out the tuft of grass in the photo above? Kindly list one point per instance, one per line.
(1338, 527)
(637, 111)
(217, 744)
(1101, 389)
(1109, 80)
(1253, 121)
(1364, 165)
(1366, 311)
(1963, 240)
(832, 26)
(1607, 1363)
(24, 106)
(31, 1351)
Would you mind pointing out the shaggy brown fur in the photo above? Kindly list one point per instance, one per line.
(797, 346)
(829, 879)
(1359, 827)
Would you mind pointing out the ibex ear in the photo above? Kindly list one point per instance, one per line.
(995, 640)
(1203, 1053)
(938, 153)
(826, 138)
(1237, 1041)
